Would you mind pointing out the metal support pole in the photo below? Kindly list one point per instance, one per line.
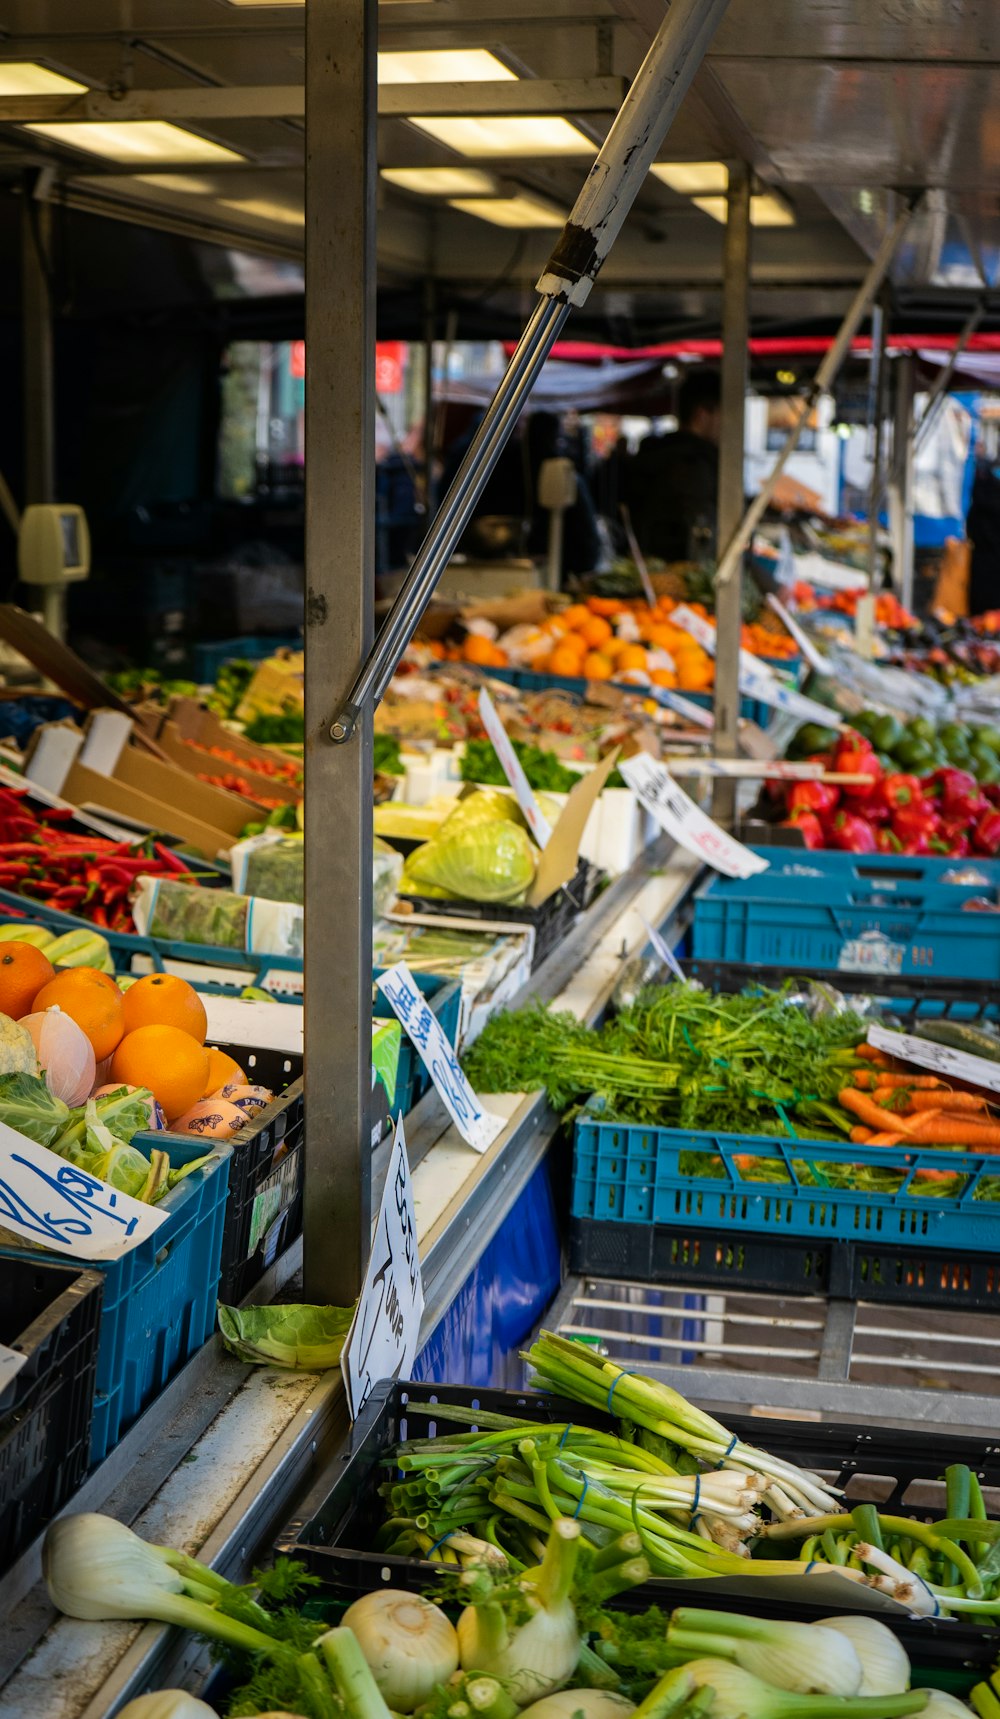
(942, 381)
(728, 613)
(876, 418)
(38, 366)
(608, 193)
(901, 482)
(733, 553)
(339, 613)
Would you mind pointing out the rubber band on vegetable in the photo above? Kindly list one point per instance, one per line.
(695, 1512)
(579, 1502)
(567, 1429)
(626, 1373)
(437, 1543)
(727, 1453)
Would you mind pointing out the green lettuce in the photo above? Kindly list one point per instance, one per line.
(309, 1338)
(27, 1105)
(493, 861)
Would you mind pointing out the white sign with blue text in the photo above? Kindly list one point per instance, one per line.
(474, 1122)
(382, 1342)
(56, 1205)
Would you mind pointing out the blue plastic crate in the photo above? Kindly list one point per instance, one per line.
(159, 1299)
(412, 1078)
(852, 913)
(631, 1174)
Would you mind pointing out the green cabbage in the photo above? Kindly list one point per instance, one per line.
(483, 806)
(297, 1336)
(27, 1105)
(492, 861)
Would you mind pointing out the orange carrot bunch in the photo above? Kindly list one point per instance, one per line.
(896, 1107)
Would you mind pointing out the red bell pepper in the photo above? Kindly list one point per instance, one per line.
(959, 793)
(916, 823)
(851, 833)
(809, 826)
(899, 790)
(818, 797)
(853, 756)
(887, 841)
(986, 837)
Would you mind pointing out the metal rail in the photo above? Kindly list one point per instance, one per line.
(606, 198)
(733, 553)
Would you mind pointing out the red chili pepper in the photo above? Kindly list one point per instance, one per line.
(100, 918)
(69, 895)
(168, 858)
(20, 850)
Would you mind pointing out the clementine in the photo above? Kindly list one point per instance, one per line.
(596, 631)
(164, 1000)
(632, 657)
(23, 972)
(172, 1064)
(576, 616)
(92, 1000)
(222, 1069)
(597, 667)
(563, 661)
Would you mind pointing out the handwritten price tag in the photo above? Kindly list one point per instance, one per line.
(385, 1331)
(686, 822)
(53, 1204)
(756, 678)
(939, 1059)
(510, 764)
(476, 1125)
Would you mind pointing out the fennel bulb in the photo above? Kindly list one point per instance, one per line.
(167, 1704)
(885, 1669)
(801, 1658)
(738, 1694)
(590, 1703)
(539, 1655)
(408, 1642)
(940, 1705)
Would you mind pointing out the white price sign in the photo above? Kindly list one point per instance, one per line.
(11, 1362)
(691, 712)
(476, 1124)
(54, 1204)
(939, 1059)
(660, 949)
(686, 822)
(757, 680)
(385, 1330)
(533, 816)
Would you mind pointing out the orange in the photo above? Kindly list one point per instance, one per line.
(221, 1070)
(170, 1062)
(604, 605)
(663, 677)
(597, 667)
(577, 615)
(632, 657)
(563, 661)
(595, 630)
(23, 972)
(476, 649)
(92, 1000)
(163, 1000)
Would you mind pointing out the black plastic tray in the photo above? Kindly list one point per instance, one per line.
(551, 921)
(965, 999)
(784, 1265)
(900, 1471)
(51, 1314)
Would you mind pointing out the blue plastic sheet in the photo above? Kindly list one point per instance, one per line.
(477, 1341)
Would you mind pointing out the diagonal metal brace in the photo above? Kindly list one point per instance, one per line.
(595, 222)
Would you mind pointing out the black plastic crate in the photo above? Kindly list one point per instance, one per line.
(969, 1000)
(50, 1313)
(551, 921)
(783, 1265)
(264, 1208)
(901, 1472)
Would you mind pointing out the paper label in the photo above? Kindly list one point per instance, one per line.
(693, 713)
(757, 680)
(272, 1198)
(385, 1331)
(814, 657)
(476, 1124)
(11, 1362)
(939, 1059)
(686, 822)
(57, 1205)
(872, 952)
(659, 948)
(537, 823)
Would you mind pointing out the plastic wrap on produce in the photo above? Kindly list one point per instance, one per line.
(387, 870)
(271, 865)
(217, 918)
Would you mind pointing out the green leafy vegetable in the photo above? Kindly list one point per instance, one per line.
(387, 755)
(492, 861)
(542, 768)
(27, 1105)
(309, 1338)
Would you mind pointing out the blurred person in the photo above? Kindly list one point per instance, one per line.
(672, 483)
(982, 527)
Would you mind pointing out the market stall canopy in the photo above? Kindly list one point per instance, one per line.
(191, 121)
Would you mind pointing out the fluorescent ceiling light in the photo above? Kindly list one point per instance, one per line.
(25, 77)
(183, 182)
(508, 134)
(443, 66)
(262, 210)
(765, 210)
(692, 176)
(135, 140)
(440, 181)
(510, 211)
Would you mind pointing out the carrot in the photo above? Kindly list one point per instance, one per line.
(870, 1113)
(868, 1053)
(935, 1128)
(885, 1139)
(949, 1101)
(869, 1078)
(860, 1136)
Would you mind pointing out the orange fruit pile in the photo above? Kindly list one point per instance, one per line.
(606, 638)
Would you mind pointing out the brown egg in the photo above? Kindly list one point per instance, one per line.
(210, 1119)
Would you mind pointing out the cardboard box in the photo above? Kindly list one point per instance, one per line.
(103, 771)
(190, 730)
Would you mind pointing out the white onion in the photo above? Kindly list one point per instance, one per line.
(408, 1642)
